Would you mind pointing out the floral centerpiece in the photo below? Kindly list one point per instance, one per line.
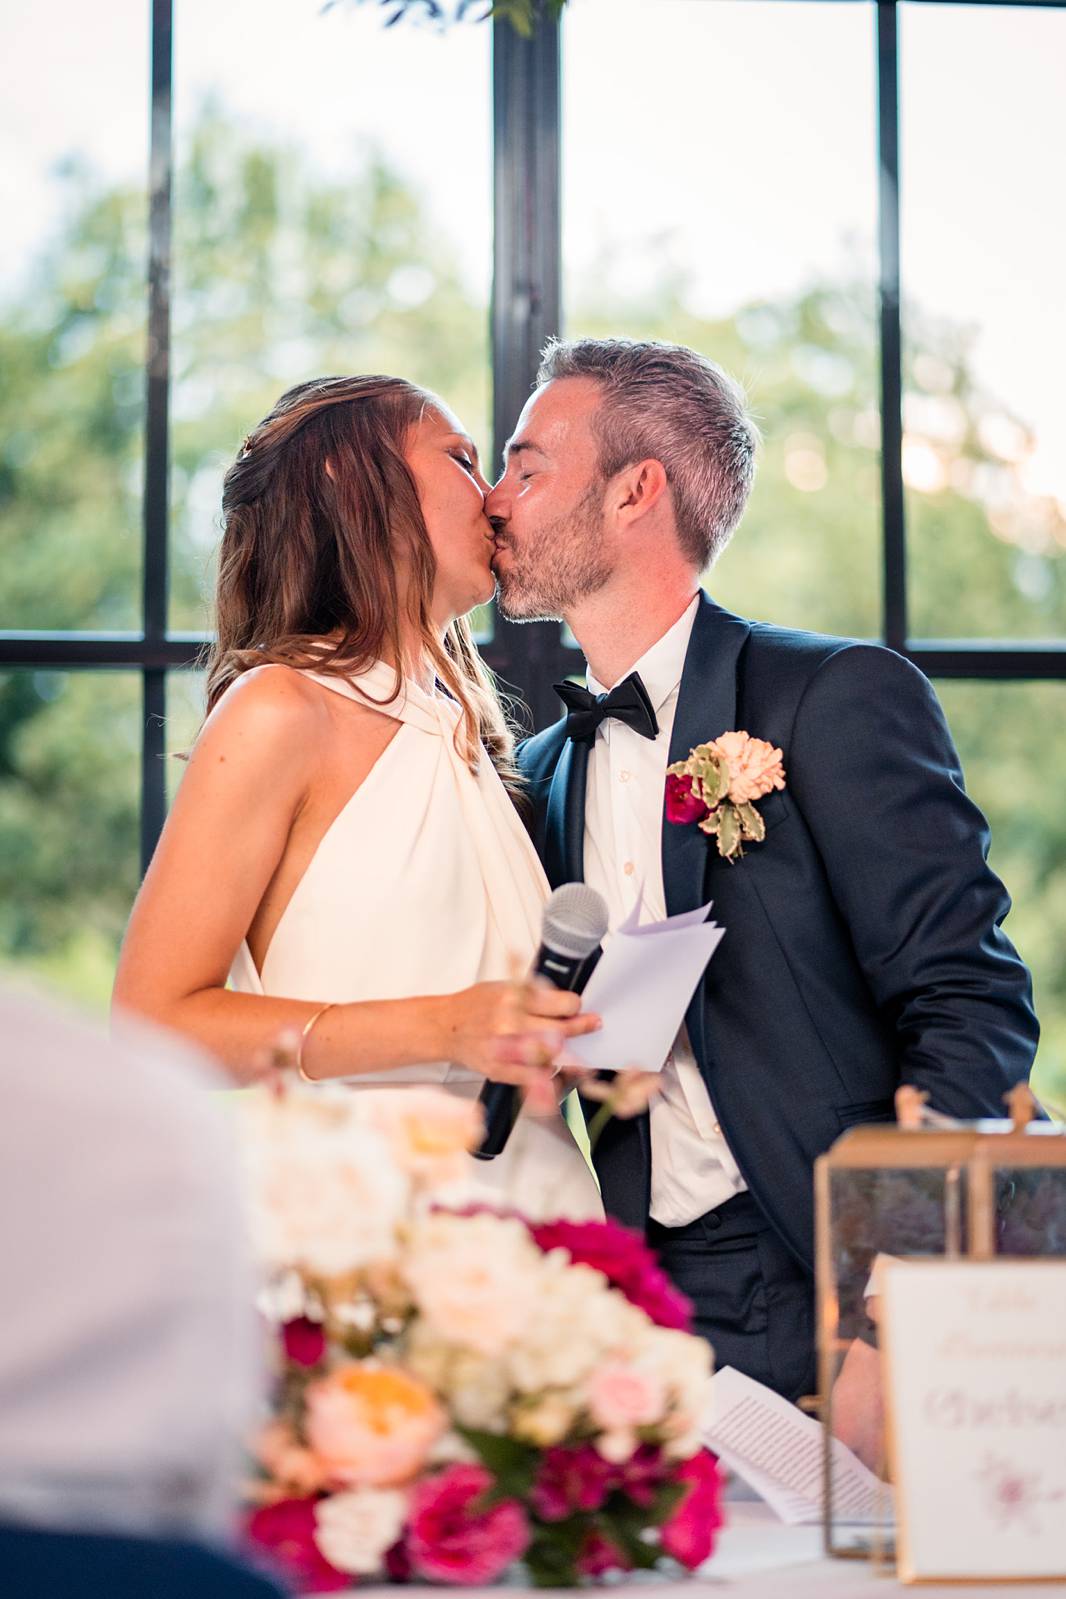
(459, 1391)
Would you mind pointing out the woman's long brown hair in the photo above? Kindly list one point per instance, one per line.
(309, 552)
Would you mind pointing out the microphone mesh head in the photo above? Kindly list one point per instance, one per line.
(575, 920)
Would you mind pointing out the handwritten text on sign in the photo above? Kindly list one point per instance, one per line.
(975, 1357)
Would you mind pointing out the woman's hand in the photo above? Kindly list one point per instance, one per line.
(511, 1032)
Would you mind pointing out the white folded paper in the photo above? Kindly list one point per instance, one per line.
(780, 1453)
(642, 987)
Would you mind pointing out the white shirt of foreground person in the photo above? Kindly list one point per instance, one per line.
(692, 1170)
(130, 1358)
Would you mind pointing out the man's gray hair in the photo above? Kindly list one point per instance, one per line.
(665, 402)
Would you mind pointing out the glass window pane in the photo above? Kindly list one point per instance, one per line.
(984, 238)
(72, 314)
(1017, 776)
(185, 715)
(70, 749)
(736, 213)
(333, 214)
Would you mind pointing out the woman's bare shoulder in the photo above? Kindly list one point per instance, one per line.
(268, 709)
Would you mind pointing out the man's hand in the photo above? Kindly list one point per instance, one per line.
(857, 1408)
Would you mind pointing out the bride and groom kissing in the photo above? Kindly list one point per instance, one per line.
(358, 854)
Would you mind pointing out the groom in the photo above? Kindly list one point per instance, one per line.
(863, 946)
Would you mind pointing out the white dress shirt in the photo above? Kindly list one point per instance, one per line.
(692, 1170)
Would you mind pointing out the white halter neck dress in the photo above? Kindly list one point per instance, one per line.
(424, 883)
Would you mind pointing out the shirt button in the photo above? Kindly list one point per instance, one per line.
(629, 868)
(623, 777)
(718, 1127)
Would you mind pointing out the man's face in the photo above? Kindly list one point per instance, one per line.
(548, 507)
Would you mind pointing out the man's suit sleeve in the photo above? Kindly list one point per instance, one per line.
(873, 769)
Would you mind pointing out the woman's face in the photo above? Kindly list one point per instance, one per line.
(452, 493)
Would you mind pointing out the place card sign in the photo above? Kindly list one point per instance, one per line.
(975, 1389)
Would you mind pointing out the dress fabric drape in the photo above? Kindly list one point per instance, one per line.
(425, 883)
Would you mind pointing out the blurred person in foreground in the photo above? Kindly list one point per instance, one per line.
(129, 1352)
(863, 944)
(345, 848)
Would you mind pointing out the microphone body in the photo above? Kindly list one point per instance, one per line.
(575, 922)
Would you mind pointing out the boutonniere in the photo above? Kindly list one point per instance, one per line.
(717, 786)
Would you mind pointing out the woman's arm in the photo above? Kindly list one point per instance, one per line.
(246, 784)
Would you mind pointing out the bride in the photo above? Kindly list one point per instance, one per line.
(345, 846)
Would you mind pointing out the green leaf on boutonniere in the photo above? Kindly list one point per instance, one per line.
(728, 831)
(751, 823)
(712, 775)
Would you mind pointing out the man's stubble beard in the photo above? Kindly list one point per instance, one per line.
(562, 563)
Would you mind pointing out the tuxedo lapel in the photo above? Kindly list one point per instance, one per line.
(565, 828)
(706, 707)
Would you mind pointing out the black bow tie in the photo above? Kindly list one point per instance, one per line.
(627, 702)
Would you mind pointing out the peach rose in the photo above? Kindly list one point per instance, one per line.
(622, 1396)
(372, 1425)
(754, 766)
(431, 1132)
(287, 1460)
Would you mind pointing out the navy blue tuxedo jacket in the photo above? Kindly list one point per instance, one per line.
(862, 945)
(40, 1564)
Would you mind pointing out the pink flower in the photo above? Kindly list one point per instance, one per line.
(598, 1555)
(754, 766)
(304, 1341)
(452, 1538)
(570, 1480)
(627, 1263)
(682, 805)
(621, 1395)
(688, 1537)
(287, 1531)
(640, 1475)
(372, 1425)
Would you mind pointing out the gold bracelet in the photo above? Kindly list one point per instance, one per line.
(303, 1040)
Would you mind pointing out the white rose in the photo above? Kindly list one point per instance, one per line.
(473, 1278)
(355, 1530)
(325, 1192)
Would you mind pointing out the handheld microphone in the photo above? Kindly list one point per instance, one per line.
(575, 924)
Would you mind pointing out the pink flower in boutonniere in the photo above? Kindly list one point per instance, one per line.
(717, 786)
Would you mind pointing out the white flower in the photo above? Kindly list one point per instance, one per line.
(579, 1322)
(474, 1278)
(476, 1387)
(545, 1422)
(325, 1192)
(431, 1132)
(355, 1530)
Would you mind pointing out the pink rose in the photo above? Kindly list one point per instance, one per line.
(570, 1480)
(754, 766)
(372, 1425)
(287, 1531)
(626, 1261)
(452, 1537)
(688, 1536)
(304, 1342)
(640, 1476)
(682, 805)
(621, 1395)
(598, 1555)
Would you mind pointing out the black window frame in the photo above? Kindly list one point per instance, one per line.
(526, 309)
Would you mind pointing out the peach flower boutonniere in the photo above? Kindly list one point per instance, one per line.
(716, 788)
